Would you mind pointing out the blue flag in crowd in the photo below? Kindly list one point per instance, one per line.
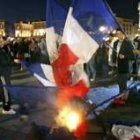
(93, 15)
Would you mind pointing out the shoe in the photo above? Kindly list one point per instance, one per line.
(9, 112)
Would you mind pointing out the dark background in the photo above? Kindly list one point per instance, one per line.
(22, 10)
(125, 8)
(26, 10)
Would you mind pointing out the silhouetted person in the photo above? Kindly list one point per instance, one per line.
(122, 56)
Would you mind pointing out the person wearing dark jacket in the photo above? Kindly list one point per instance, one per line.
(122, 55)
(5, 71)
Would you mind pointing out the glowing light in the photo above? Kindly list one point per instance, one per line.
(114, 32)
(69, 118)
(23, 33)
(102, 29)
(39, 32)
(73, 121)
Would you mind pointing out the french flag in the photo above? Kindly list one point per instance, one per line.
(76, 48)
(74, 29)
(72, 37)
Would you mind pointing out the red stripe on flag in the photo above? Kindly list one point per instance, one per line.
(63, 78)
(66, 57)
(81, 130)
(67, 93)
(136, 138)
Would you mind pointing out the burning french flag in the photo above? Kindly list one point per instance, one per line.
(72, 38)
(76, 48)
(74, 30)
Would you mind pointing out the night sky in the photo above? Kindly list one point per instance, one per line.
(22, 10)
(125, 8)
(26, 10)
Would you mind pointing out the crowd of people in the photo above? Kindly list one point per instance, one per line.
(104, 62)
(12, 52)
(118, 55)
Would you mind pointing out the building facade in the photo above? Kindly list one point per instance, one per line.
(23, 29)
(33, 29)
(39, 28)
(2, 28)
(128, 26)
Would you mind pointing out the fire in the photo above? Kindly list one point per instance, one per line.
(73, 121)
(69, 118)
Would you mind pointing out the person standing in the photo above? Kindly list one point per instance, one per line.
(5, 71)
(122, 55)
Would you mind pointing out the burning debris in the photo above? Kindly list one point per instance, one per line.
(73, 116)
(38, 132)
(69, 118)
(69, 123)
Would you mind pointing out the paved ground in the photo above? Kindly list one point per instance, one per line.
(38, 106)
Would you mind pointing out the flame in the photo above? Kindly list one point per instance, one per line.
(69, 118)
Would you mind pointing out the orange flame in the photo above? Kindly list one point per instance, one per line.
(69, 118)
(72, 119)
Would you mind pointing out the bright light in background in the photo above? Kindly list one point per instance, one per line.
(24, 33)
(39, 32)
(69, 118)
(114, 32)
(102, 29)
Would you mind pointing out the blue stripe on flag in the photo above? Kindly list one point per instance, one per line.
(94, 16)
(34, 68)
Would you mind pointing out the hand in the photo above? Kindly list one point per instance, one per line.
(121, 56)
(136, 51)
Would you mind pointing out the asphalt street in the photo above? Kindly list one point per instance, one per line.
(35, 104)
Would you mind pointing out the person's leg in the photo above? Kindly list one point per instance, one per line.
(92, 71)
(1, 91)
(138, 68)
(5, 95)
(122, 82)
(87, 70)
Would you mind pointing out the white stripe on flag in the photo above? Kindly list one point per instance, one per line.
(78, 74)
(78, 40)
(45, 82)
(51, 39)
(48, 72)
